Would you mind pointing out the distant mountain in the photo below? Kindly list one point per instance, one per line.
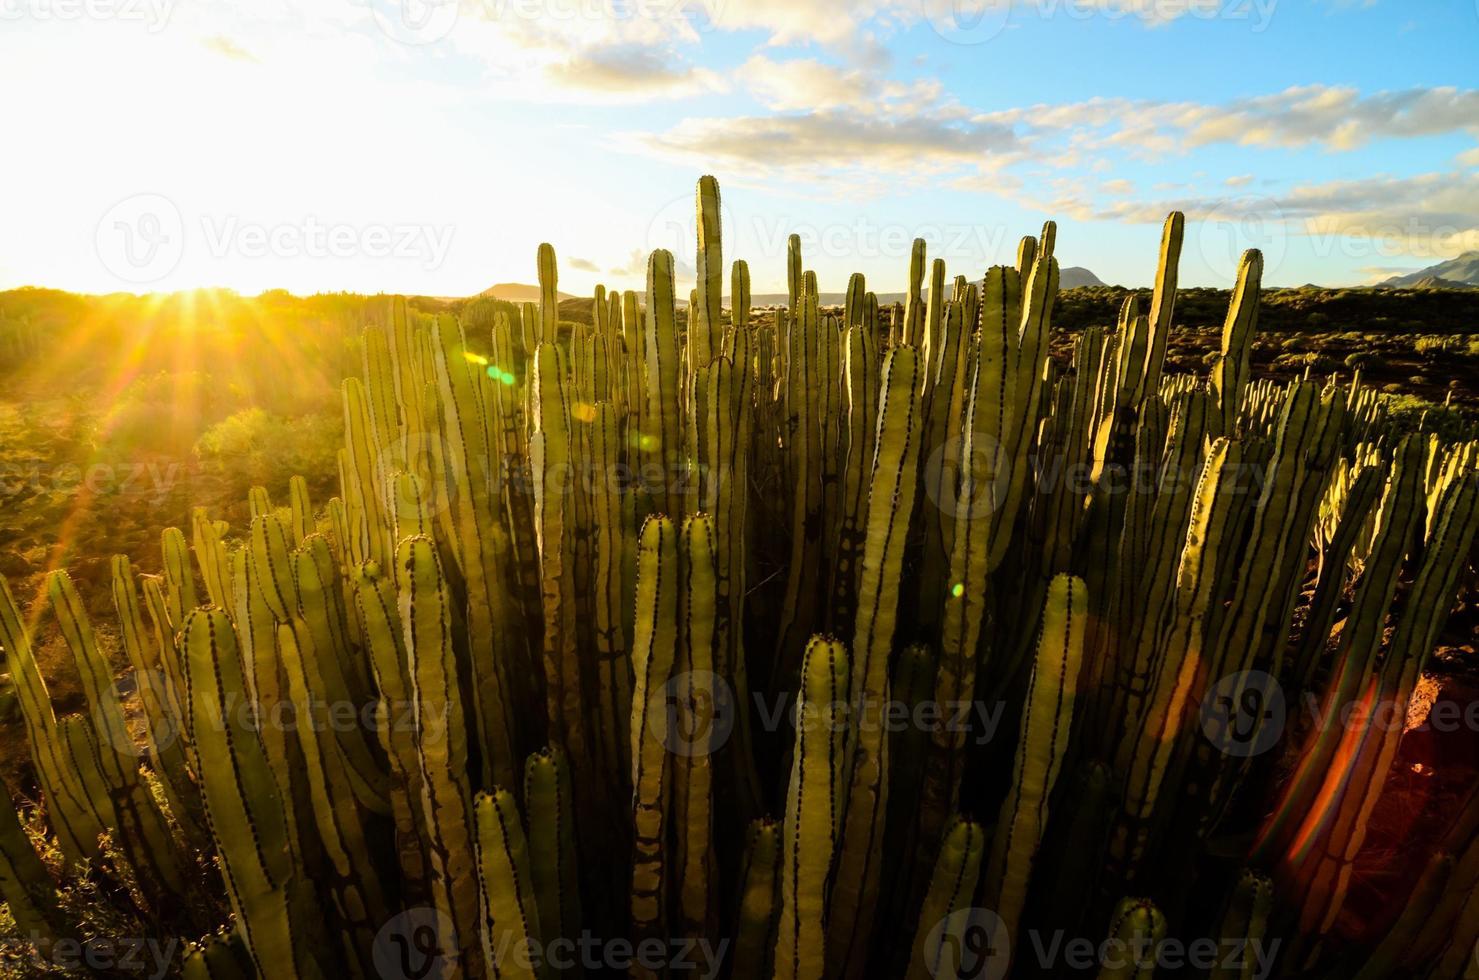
(1434, 282)
(516, 292)
(1076, 276)
(1462, 271)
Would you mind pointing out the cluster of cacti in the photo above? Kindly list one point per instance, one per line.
(611, 626)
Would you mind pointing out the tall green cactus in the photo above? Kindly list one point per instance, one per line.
(890, 502)
(755, 480)
(654, 644)
(811, 831)
(243, 805)
(1046, 722)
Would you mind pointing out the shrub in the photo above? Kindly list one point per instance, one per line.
(1317, 363)
(1432, 345)
(165, 412)
(261, 446)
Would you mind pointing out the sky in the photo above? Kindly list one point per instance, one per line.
(429, 147)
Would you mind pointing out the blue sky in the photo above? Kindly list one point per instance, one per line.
(396, 145)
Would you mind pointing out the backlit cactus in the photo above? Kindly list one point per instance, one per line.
(612, 626)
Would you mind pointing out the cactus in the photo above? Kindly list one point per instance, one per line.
(543, 670)
(551, 840)
(951, 885)
(242, 803)
(654, 643)
(691, 733)
(811, 834)
(1046, 720)
(890, 499)
(1246, 920)
(510, 914)
(1134, 932)
(441, 735)
(755, 928)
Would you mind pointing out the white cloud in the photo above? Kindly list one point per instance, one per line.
(837, 142)
(808, 85)
(1333, 118)
(1428, 215)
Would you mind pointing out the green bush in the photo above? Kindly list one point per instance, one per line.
(1412, 413)
(1295, 362)
(262, 446)
(165, 412)
(1438, 345)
